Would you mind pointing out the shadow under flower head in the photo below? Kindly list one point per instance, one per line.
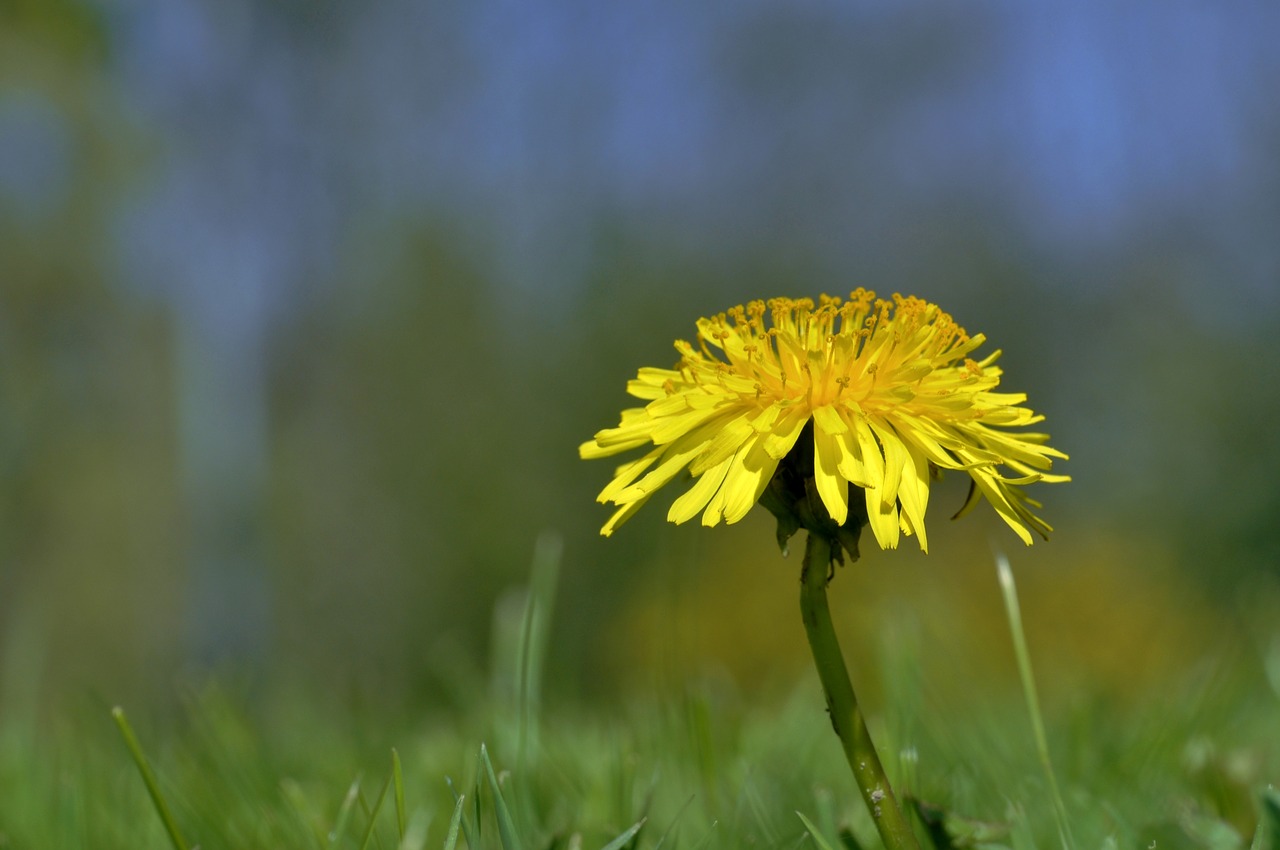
(882, 392)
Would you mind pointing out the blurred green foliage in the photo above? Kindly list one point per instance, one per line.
(423, 422)
(698, 764)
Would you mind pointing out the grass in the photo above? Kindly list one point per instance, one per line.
(697, 767)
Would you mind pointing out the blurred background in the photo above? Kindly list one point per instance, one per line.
(306, 306)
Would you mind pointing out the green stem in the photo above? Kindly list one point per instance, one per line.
(842, 705)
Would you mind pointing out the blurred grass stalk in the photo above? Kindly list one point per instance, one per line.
(535, 633)
(1010, 592)
(149, 779)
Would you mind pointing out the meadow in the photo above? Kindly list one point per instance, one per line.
(693, 760)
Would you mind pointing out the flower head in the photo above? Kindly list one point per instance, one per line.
(876, 394)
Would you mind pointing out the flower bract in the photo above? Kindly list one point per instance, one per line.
(889, 392)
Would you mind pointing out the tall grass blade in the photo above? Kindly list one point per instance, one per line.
(1267, 835)
(451, 840)
(755, 804)
(373, 814)
(671, 826)
(506, 826)
(1023, 655)
(149, 779)
(1020, 834)
(344, 813)
(415, 834)
(397, 778)
(477, 799)
(458, 801)
(304, 811)
(698, 722)
(706, 839)
(531, 649)
(625, 838)
(818, 839)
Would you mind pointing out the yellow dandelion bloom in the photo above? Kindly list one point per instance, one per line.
(884, 390)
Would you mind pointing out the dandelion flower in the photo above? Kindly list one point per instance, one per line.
(877, 395)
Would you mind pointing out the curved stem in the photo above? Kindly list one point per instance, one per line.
(842, 705)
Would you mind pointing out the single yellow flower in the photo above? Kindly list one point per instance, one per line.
(886, 389)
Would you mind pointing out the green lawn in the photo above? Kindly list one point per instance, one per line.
(699, 765)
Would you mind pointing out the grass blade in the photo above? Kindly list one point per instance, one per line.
(1021, 836)
(397, 777)
(1267, 835)
(822, 843)
(625, 838)
(506, 826)
(415, 834)
(706, 839)
(373, 814)
(306, 813)
(671, 826)
(149, 779)
(458, 798)
(532, 646)
(451, 840)
(344, 813)
(1014, 612)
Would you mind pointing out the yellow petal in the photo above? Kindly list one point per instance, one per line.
(622, 515)
(832, 486)
(732, 431)
(591, 450)
(652, 383)
(675, 457)
(872, 459)
(696, 497)
(667, 405)
(828, 418)
(748, 474)
(746, 479)
(785, 432)
(996, 496)
(913, 492)
(626, 474)
(895, 460)
(883, 520)
(850, 463)
(768, 417)
(671, 427)
(632, 431)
